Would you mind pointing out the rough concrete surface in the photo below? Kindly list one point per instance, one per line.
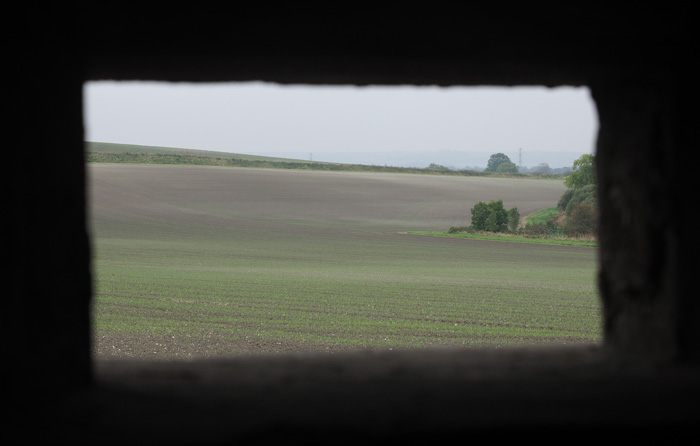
(376, 397)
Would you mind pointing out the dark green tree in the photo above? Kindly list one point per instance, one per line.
(496, 160)
(579, 202)
(490, 216)
(564, 199)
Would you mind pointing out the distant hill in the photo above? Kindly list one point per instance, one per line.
(102, 152)
(114, 148)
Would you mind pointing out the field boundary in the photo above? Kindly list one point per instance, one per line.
(565, 241)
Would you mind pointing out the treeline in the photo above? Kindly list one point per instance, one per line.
(133, 154)
(576, 212)
(160, 158)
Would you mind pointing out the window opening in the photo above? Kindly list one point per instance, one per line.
(223, 224)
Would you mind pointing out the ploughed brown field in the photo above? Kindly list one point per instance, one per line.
(214, 261)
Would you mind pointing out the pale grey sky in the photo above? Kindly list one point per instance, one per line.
(369, 125)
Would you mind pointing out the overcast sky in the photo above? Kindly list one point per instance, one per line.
(371, 125)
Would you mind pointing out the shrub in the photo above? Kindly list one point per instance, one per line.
(565, 198)
(582, 220)
(586, 194)
(513, 219)
(541, 230)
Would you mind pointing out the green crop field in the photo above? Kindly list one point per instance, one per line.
(194, 262)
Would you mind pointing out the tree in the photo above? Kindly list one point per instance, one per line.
(490, 216)
(583, 173)
(585, 194)
(513, 219)
(496, 160)
(507, 166)
(565, 198)
(579, 202)
(543, 169)
(440, 167)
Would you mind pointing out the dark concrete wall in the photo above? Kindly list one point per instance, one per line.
(48, 319)
(633, 62)
(644, 170)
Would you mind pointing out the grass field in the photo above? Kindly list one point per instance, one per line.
(193, 262)
(543, 216)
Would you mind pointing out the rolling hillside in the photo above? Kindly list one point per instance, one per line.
(104, 148)
(204, 261)
(348, 200)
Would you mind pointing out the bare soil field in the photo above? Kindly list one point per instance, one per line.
(389, 202)
(207, 261)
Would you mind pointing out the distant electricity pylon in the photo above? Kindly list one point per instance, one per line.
(520, 158)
